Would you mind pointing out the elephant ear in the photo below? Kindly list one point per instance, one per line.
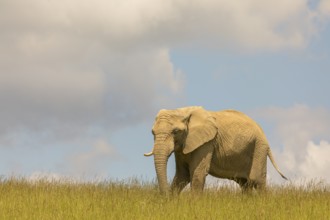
(201, 129)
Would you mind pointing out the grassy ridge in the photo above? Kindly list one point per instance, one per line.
(21, 199)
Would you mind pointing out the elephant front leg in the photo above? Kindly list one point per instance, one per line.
(180, 181)
(198, 182)
(199, 169)
(182, 175)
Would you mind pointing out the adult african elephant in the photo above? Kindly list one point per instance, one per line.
(226, 144)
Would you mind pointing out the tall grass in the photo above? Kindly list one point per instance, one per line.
(23, 199)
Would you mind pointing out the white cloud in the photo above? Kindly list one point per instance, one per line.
(115, 25)
(69, 67)
(324, 7)
(64, 98)
(97, 156)
(317, 161)
(298, 129)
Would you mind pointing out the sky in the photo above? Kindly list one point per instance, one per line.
(81, 81)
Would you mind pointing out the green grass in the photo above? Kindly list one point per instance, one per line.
(22, 199)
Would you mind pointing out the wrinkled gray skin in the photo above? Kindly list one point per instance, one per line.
(225, 144)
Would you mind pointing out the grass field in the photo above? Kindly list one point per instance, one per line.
(23, 199)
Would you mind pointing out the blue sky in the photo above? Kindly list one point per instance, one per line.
(81, 82)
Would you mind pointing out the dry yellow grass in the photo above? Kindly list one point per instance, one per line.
(21, 199)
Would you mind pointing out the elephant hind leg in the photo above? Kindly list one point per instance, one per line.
(260, 185)
(258, 170)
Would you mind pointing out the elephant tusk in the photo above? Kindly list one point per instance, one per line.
(149, 154)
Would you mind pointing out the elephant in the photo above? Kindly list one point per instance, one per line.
(225, 144)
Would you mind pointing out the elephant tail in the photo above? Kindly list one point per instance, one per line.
(270, 155)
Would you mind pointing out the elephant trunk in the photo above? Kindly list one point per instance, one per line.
(161, 170)
(161, 155)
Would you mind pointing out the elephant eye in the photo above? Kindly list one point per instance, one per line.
(176, 131)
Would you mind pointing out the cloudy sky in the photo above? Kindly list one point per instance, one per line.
(81, 81)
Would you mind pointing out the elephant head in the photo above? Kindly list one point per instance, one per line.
(182, 130)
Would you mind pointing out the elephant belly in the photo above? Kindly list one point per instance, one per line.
(230, 166)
